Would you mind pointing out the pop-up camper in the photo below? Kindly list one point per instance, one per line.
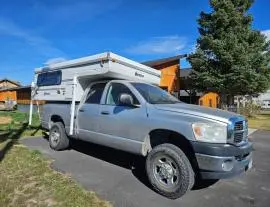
(55, 82)
(67, 81)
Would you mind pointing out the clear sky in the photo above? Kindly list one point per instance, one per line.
(36, 32)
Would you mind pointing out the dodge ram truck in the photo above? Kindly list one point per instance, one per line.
(180, 141)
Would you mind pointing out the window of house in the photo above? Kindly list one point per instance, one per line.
(114, 92)
(49, 78)
(210, 103)
(95, 93)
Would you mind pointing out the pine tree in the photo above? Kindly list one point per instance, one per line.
(231, 57)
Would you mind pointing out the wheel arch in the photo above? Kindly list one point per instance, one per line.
(55, 118)
(161, 136)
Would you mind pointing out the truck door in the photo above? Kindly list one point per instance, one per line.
(88, 112)
(118, 121)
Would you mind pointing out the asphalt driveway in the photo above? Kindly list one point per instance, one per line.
(119, 177)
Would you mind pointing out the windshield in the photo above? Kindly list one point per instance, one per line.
(155, 95)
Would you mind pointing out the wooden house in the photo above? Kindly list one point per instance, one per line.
(5, 93)
(209, 99)
(21, 95)
(7, 83)
(176, 81)
(170, 72)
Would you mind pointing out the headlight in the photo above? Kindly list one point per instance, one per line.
(210, 132)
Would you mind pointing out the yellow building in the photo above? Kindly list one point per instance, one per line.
(170, 72)
(5, 93)
(176, 81)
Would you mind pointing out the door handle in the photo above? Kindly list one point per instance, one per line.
(81, 110)
(105, 112)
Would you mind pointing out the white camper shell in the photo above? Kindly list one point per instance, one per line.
(55, 82)
(67, 81)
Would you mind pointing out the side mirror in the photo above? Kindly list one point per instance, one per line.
(126, 99)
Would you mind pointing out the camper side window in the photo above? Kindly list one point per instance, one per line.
(49, 78)
(95, 93)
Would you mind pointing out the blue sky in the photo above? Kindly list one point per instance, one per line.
(36, 32)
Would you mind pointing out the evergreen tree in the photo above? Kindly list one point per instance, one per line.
(231, 58)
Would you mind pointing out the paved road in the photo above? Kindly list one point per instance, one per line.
(119, 177)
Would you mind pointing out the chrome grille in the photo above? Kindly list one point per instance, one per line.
(238, 137)
(238, 126)
(240, 130)
(237, 130)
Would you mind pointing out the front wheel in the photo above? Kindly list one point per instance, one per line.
(169, 171)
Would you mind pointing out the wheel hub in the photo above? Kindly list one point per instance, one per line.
(165, 171)
(55, 136)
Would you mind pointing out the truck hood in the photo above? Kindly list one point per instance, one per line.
(195, 110)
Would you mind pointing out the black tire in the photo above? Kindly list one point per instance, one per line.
(63, 141)
(180, 171)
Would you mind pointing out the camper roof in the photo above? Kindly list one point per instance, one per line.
(102, 57)
(55, 82)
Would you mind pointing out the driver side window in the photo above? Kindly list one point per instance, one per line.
(114, 92)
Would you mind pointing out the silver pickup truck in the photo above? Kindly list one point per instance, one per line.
(180, 141)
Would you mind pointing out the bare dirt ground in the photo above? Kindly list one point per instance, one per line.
(5, 119)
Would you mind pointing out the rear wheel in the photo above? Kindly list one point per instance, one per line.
(58, 138)
(169, 171)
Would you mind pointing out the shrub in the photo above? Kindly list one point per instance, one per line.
(250, 110)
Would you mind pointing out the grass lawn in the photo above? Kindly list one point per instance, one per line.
(26, 178)
(15, 123)
(261, 121)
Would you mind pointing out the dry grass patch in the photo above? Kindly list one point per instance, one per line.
(5, 119)
(25, 176)
(27, 180)
(13, 121)
(261, 121)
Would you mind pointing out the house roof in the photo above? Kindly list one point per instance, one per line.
(11, 81)
(152, 63)
(16, 88)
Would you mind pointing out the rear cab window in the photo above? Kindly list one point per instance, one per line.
(95, 93)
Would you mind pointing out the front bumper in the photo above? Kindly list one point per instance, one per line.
(217, 161)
